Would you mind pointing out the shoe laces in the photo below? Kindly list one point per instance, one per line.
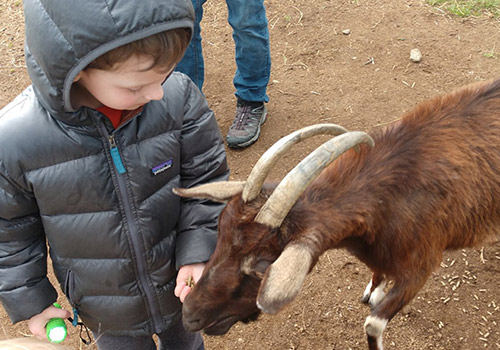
(246, 115)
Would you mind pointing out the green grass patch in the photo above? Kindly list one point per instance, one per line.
(490, 54)
(467, 8)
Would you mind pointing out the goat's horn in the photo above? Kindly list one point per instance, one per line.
(274, 211)
(217, 191)
(268, 159)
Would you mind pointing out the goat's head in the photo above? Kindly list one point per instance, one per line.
(257, 267)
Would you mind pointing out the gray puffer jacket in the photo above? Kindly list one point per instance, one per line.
(116, 236)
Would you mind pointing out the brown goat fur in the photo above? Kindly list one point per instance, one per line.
(430, 183)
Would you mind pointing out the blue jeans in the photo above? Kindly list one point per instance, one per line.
(251, 39)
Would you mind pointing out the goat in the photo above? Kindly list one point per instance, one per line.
(424, 184)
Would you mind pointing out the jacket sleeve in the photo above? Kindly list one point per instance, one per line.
(24, 287)
(203, 159)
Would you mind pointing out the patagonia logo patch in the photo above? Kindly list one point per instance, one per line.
(158, 169)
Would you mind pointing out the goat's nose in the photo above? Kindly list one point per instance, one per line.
(188, 310)
(190, 321)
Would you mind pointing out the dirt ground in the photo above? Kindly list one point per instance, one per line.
(362, 80)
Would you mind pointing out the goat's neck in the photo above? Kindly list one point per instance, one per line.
(341, 209)
(322, 225)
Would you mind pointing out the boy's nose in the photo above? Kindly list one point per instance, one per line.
(154, 93)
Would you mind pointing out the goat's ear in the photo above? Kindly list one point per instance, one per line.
(221, 191)
(284, 278)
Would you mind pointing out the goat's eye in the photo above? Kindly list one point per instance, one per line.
(260, 267)
(251, 275)
(259, 274)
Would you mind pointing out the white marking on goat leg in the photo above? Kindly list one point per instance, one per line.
(374, 327)
(284, 278)
(378, 294)
(367, 293)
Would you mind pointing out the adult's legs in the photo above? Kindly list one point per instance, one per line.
(253, 57)
(192, 63)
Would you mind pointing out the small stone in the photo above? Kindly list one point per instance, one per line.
(415, 55)
(346, 31)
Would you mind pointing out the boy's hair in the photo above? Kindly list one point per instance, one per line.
(166, 49)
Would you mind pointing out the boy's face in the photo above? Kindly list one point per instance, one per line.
(127, 86)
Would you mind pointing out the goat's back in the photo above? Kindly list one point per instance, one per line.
(432, 180)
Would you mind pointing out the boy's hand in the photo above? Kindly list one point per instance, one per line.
(37, 323)
(187, 273)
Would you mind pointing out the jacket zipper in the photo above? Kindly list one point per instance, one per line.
(115, 155)
(137, 245)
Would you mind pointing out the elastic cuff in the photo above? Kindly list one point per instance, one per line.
(241, 102)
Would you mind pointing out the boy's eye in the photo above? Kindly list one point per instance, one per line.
(133, 89)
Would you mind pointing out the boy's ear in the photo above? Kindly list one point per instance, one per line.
(78, 76)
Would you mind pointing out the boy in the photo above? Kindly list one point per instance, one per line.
(88, 157)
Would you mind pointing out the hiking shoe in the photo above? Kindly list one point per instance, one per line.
(245, 129)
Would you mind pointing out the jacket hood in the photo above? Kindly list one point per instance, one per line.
(64, 36)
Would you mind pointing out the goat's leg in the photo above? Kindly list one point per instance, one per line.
(374, 292)
(400, 295)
